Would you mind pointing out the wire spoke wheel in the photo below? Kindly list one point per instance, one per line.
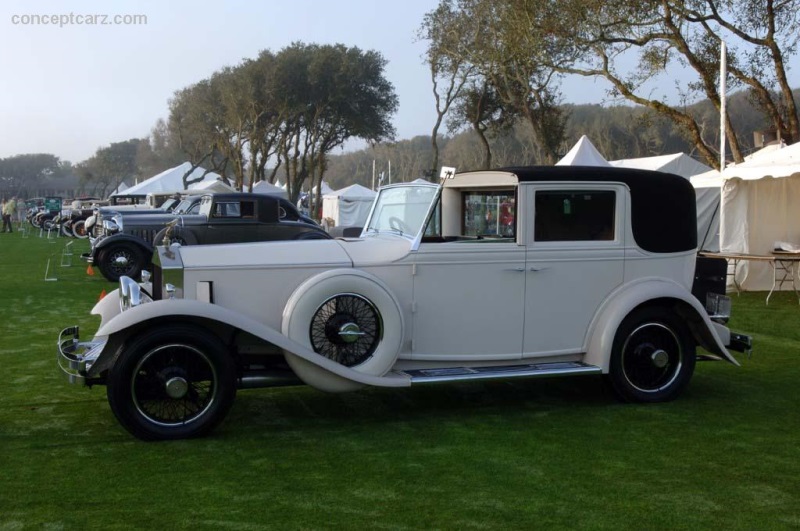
(346, 328)
(174, 385)
(652, 357)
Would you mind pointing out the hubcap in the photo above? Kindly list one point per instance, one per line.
(660, 358)
(121, 261)
(652, 357)
(173, 385)
(350, 332)
(177, 387)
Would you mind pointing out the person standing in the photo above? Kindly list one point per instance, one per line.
(9, 211)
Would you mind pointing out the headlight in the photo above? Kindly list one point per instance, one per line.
(110, 226)
(130, 294)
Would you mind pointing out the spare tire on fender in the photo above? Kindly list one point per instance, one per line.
(349, 317)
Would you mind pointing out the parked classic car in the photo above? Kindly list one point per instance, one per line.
(127, 239)
(520, 272)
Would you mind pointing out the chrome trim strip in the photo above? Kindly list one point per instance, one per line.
(540, 370)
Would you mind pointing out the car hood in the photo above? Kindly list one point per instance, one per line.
(376, 249)
(326, 253)
(265, 255)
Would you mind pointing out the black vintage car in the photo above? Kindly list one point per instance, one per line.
(127, 240)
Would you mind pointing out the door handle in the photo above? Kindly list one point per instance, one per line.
(516, 269)
(537, 269)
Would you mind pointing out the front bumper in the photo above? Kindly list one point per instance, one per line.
(87, 257)
(741, 343)
(75, 358)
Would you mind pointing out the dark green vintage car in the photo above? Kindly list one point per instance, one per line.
(127, 240)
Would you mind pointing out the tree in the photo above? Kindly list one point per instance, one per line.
(25, 172)
(110, 166)
(291, 108)
(159, 151)
(447, 32)
(670, 34)
(510, 48)
(326, 95)
(480, 106)
(196, 121)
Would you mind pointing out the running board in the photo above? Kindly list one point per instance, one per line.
(532, 370)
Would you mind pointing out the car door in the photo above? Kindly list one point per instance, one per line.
(468, 295)
(232, 221)
(574, 260)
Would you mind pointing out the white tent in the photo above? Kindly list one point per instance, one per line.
(583, 153)
(348, 207)
(707, 187)
(210, 186)
(756, 210)
(756, 199)
(121, 188)
(707, 197)
(170, 180)
(264, 187)
(677, 163)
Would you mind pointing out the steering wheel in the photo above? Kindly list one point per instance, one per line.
(400, 225)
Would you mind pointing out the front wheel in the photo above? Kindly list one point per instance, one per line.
(122, 259)
(172, 383)
(79, 229)
(652, 358)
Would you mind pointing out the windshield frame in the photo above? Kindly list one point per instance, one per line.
(415, 238)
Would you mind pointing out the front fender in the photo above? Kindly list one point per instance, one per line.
(164, 311)
(617, 306)
(146, 247)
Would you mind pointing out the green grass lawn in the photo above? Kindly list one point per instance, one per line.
(536, 454)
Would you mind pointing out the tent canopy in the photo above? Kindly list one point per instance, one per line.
(348, 207)
(210, 186)
(583, 153)
(755, 200)
(264, 187)
(170, 180)
(677, 163)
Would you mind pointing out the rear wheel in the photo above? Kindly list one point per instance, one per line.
(653, 356)
(172, 383)
(66, 229)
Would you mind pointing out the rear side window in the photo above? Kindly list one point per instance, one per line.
(574, 215)
(490, 214)
(227, 210)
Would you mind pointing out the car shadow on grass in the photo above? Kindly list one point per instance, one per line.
(308, 409)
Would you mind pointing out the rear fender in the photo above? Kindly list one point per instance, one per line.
(711, 336)
(164, 311)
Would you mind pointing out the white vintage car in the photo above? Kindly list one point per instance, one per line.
(520, 272)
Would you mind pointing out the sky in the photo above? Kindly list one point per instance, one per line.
(70, 89)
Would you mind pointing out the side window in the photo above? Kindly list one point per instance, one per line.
(574, 215)
(490, 214)
(227, 210)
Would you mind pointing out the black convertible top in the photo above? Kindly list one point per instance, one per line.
(663, 207)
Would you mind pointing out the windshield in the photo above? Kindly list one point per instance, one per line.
(401, 209)
(184, 206)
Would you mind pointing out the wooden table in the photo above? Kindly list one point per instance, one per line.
(784, 266)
